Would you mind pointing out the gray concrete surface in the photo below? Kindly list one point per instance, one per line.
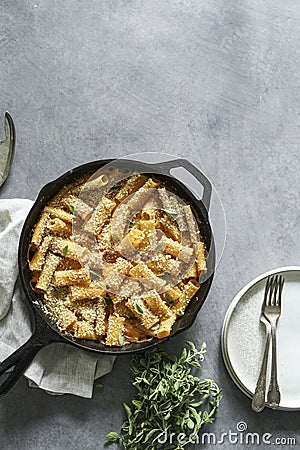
(215, 81)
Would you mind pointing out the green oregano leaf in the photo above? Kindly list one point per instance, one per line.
(170, 300)
(107, 300)
(113, 437)
(72, 209)
(138, 308)
(56, 288)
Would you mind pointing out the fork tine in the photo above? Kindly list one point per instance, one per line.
(271, 288)
(266, 290)
(278, 297)
(281, 283)
(274, 296)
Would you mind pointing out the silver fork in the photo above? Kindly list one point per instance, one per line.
(259, 397)
(272, 299)
(272, 311)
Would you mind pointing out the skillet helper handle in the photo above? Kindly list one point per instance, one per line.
(42, 336)
(200, 177)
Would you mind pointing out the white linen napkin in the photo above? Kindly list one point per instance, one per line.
(58, 368)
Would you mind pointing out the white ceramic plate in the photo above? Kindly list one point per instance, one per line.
(243, 337)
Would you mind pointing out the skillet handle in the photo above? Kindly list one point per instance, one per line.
(42, 336)
(203, 180)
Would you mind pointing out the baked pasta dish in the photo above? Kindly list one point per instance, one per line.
(116, 258)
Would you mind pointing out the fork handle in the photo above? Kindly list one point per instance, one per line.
(274, 392)
(258, 400)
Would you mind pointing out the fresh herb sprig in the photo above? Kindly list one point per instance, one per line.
(56, 288)
(170, 399)
(72, 209)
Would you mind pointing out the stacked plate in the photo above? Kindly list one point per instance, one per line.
(243, 337)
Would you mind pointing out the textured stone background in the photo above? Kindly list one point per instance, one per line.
(215, 81)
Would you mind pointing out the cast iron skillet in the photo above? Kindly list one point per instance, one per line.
(45, 329)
